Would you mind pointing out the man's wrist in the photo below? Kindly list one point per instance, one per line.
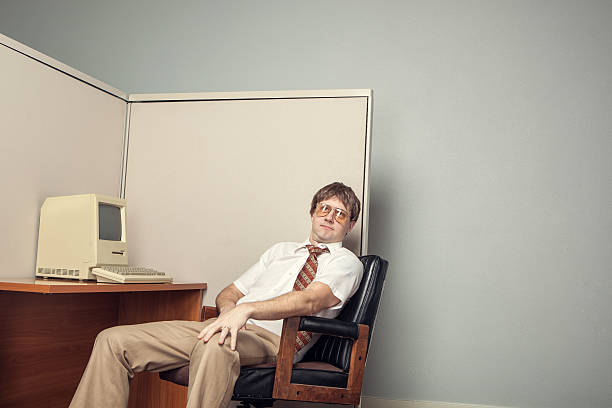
(248, 309)
(226, 307)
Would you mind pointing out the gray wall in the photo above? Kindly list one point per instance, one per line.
(491, 180)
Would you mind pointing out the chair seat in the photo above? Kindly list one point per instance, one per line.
(258, 381)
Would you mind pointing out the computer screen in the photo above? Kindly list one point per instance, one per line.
(109, 222)
(81, 232)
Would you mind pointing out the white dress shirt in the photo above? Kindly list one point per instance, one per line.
(277, 269)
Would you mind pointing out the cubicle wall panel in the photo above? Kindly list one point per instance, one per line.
(212, 183)
(60, 136)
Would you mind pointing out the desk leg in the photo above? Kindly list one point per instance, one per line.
(146, 389)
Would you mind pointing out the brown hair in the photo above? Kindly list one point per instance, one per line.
(343, 193)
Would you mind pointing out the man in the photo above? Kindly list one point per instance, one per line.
(315, 277)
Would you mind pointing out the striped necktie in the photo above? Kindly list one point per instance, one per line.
(307, 275)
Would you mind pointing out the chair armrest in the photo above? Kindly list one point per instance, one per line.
(332, 327)
(284, 389)
(208, 312)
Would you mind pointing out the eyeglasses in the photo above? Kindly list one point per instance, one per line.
(339, 214)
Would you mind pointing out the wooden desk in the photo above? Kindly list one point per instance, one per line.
(47, 330)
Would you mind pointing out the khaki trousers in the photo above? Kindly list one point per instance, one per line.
(121, 351)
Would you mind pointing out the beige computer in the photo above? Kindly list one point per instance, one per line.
(80, 232)
(84, 237)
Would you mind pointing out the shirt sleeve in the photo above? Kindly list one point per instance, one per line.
(246, 281)
(343, 276)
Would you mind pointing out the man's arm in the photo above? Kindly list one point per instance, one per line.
(226, 300)
(316, 297)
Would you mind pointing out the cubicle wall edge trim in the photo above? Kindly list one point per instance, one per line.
(249, 95)
(365, 217)
(126, 144)
(61, 67)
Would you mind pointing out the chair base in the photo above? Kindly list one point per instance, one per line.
(254, 404)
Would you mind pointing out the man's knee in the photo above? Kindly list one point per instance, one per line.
(212, 347)
(110, 339)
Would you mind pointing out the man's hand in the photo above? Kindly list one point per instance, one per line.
(228, 323)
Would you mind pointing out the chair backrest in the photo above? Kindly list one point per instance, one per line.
(361, 308)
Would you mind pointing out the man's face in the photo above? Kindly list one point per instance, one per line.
(326, 228)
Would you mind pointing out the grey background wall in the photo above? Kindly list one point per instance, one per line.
(491, 181)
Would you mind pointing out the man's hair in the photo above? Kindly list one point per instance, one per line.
(343, 193)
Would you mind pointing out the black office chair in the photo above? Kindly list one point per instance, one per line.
(332, 370)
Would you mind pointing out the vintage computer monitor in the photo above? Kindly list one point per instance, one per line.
(80, 232)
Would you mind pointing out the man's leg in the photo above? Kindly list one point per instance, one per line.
(121, 351)
(214, 368)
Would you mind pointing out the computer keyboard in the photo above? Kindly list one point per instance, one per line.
(129, 274)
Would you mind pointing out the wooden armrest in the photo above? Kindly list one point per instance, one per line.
(208, 312)
(284, 389)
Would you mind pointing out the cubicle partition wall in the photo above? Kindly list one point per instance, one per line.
(214, 179)
(62, 133)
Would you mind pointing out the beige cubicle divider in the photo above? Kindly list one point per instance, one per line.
(61, 133)
(215, 179)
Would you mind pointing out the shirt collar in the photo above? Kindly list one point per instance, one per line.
(332, 246)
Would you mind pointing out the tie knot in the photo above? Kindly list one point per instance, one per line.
(315, 250)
